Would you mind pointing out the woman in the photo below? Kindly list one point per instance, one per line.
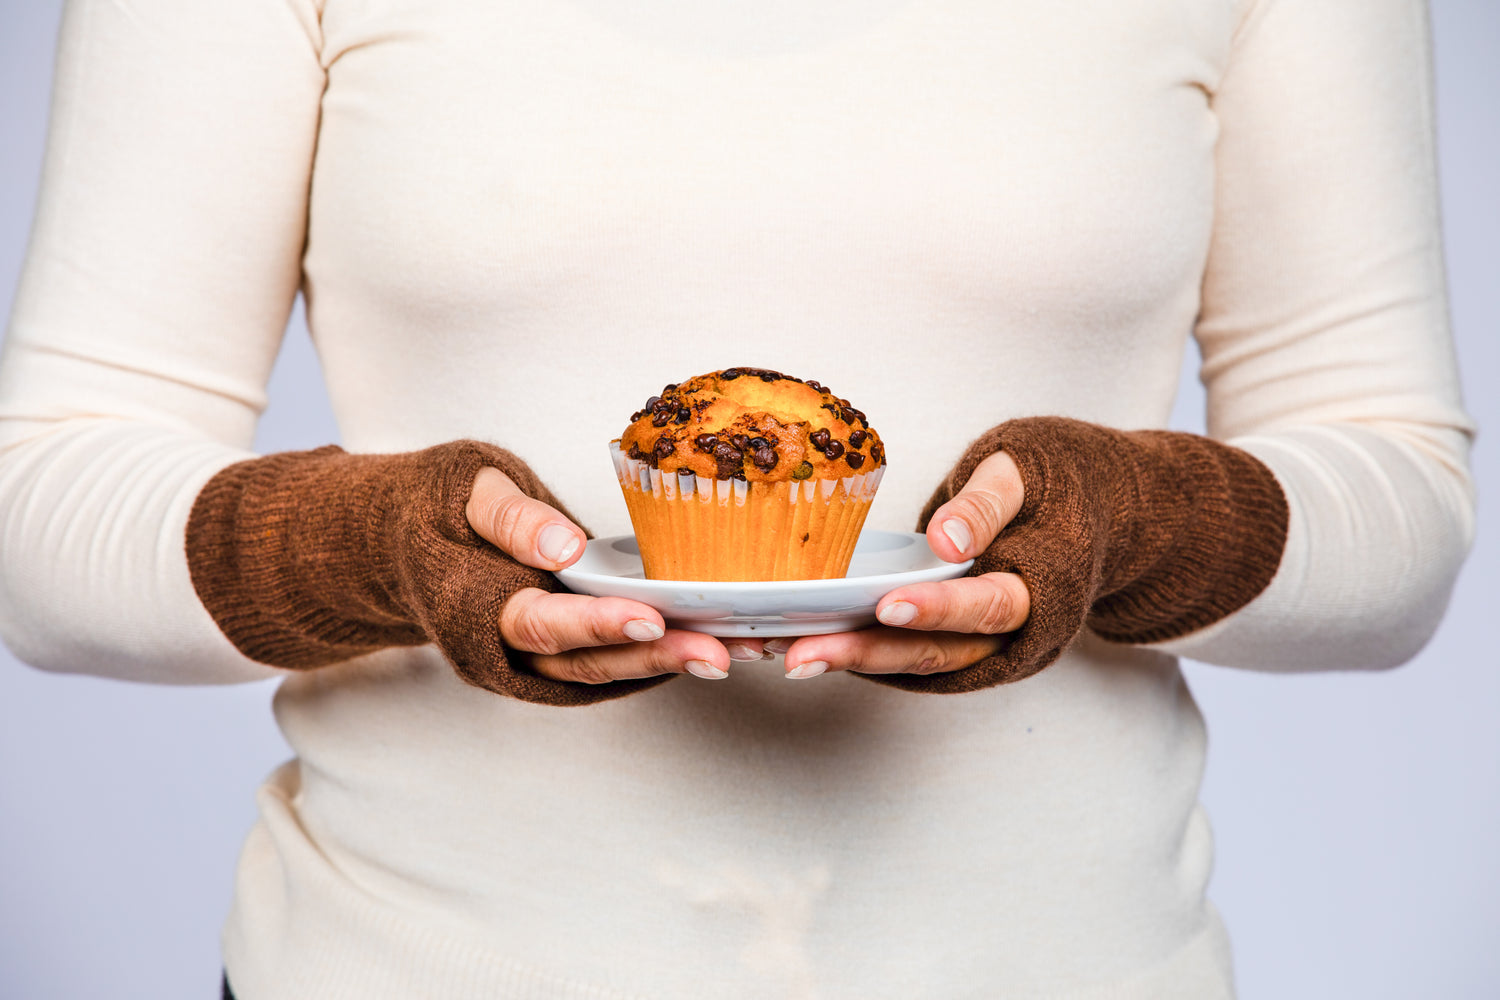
(512, 225)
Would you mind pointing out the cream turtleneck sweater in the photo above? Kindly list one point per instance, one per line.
(513, 222)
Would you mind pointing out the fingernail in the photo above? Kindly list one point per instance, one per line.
(557, 543)
(643, 631)
(779, 645)
(959, 533)
(897, 613)
(811, 668)
(740, 651)
(706, 670)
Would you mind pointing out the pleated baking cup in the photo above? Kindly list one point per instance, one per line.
(691, 527)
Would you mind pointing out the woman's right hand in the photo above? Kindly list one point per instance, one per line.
(571, 637)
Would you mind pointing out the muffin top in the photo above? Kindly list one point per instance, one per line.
(753, 424)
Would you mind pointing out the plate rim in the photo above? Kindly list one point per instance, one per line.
(767, 586)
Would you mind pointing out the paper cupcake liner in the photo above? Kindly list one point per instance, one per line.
(690, 527)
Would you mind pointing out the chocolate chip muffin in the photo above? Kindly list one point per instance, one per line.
(748, 474)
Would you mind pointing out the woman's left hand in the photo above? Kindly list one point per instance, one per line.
(931, 628)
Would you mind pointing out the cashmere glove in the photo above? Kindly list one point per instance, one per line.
(308, 558)
(1143, 536)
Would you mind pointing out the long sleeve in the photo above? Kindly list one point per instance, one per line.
(1324, 334)
(524, 216)
(163, 263)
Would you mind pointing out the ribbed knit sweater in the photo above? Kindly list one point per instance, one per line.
(514, 221)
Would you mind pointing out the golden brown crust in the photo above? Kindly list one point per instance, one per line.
(753, 424)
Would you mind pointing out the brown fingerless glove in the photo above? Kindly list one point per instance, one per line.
(1142, 535)
(308, 558)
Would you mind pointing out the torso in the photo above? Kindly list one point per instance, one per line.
(525, 219)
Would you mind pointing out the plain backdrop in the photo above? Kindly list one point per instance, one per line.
(1357, 815)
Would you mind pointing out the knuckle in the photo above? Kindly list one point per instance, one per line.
(587, 669)
(599, 629)
(931, 659)
(540, 639)
(533, 633)
(986, 508)
(996, 612)
(508, 521)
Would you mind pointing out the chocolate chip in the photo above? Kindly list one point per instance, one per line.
(728, 460)
(664, 447)
(770, 376)
(705, 442)
(764, 458)
(819, 439)
(831, 408)
(847, 415)
(651, 403)
(730, 374)
(684, 414)
(740, 441)
(834, 449)
(803, 470)
(636, 453)
(660, 418)
(669, 388)
(855, 459)
(877, 454)
(857, 439)
(757, 443)
(816, 385)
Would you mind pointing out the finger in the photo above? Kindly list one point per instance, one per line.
(535, 621)
(887, 651)
(990, 603)
(538, 622)
(674, 653)
(527, 530)
(747, 649)
(967, 524)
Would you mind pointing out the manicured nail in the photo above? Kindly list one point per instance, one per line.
(557, 543)
(740, 651)
(641, 630)
(811, 668)
(897, 613)
(779, 645)
(959, 533)
(706, 670)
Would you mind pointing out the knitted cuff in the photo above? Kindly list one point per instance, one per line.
(1144, 536)
(308, 558)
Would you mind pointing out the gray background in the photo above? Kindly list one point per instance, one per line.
(1357, 816)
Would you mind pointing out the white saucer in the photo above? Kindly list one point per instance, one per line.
(883, 561)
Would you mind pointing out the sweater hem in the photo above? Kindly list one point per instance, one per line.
(322, 937)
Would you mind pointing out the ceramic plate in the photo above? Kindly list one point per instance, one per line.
(883, 561)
